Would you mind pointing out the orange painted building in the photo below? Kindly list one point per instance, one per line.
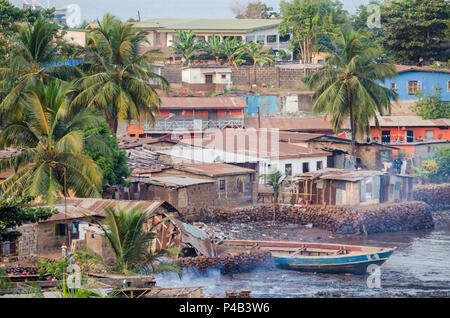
(191, 114)
(410, 129)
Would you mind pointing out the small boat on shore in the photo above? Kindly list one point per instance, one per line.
(320, 257)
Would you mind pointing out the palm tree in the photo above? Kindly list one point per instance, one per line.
(233, 50)
(119, 80)
(214, 47)
(50, 138)
(274, 179)
(187, 45)
(258, 55)
(130, 242)
(348, 86)
(33, 57)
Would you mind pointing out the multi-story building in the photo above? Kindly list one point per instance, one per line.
(161, 32)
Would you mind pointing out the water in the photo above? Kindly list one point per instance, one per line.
(420, 267)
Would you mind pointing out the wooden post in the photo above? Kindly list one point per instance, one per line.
(259, 118)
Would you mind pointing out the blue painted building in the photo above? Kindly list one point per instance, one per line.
(411, 79)
(268, 104)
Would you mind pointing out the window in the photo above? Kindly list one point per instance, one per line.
(410, 136)
(250, 38)
(319, 165)
(260, 38)
(271, 38)
(60, 229)
(157, 38)
(385, 136)
(223, 76)
(393, 86)
(285, 38)
(306, 167)
(208, 79)
(222, 184)
(429, 134)
(288, 169)
(413, 87)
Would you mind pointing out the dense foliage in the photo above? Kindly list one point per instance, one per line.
(414, 29)
(50, 135)
(312, 24)
(118, 78)
(15, 212)
(347, 87)
(114, 163)
(431, 106)
(442, 159)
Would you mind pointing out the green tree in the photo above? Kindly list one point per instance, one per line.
(232, 51)
(119, 79)
(113, 164)
(442, 159)
(428, 168)
(347, 87)
(130, 242)
(415, 28)
(214, 48)
(50, 138)
(186, 45)
(17, 211)
(309, 21)
(258, 55)
(275, 180)
(431, 106)
(33, 54)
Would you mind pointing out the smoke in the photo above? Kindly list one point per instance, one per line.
(209, 279)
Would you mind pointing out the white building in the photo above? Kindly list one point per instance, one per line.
(260, 150)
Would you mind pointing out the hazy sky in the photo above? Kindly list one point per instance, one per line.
(124, 9)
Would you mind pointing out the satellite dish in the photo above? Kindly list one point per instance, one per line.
(73, 15)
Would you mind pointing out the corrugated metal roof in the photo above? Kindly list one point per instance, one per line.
(82, 207)
(339, 174)
(173, 181)
(407, 68)
(293, 123)
(202, 103)
(215, 169)
(230, 25)
(196, 237)
(133, 142)
(258, 143)
(410, 121)
(297, 136)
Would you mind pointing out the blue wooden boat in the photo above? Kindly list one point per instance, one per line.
(320, 257)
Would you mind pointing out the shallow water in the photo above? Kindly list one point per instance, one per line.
(420, 267)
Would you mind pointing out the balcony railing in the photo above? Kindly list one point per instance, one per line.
(193, 125)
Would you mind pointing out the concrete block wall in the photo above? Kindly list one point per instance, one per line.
(172, 72)
(27, 243)
(243, 75)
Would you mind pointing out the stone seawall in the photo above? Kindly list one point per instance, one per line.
(437, 196)
(368, 219)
